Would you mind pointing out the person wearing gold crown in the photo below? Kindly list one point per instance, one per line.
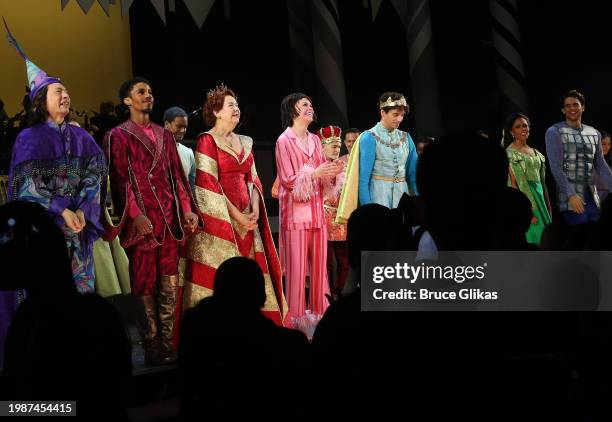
(382, 164)
(337, 250)
(230, 197)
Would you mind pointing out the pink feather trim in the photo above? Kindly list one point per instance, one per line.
(332, 188)
(303, 189)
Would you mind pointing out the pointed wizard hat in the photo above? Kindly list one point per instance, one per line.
(37, 78)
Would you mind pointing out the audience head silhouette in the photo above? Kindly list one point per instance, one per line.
(240, 282)
(370, 228)
(27, 232)
(460, 178)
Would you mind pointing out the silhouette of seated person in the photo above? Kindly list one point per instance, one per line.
(411, 229)
(514, 221)
(499, 348)
(230, 354)
(369, 228)
(60, 345)
(32, 260)
(460, 179)
(33, 252)
(345, 335)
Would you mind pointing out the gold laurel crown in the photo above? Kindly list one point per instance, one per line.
(397, 103)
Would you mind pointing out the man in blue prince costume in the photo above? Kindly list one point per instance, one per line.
(383, 161)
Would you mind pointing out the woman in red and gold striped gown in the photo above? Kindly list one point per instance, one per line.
(229, 196)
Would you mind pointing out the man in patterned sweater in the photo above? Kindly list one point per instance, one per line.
(574, 151)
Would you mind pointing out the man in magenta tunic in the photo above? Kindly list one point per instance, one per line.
(151, 197)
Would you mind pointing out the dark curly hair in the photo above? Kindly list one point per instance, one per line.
(123, 111)
(214, 102)
(126, 87)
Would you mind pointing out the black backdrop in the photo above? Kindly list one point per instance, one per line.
(565, 46)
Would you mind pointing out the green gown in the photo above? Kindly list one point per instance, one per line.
(530, 172)
(112, 268)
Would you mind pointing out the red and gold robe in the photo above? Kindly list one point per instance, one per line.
(336, 232)
(145, 177)
(221, 174)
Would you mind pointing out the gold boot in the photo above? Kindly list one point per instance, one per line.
(147, 328)
(168, 289)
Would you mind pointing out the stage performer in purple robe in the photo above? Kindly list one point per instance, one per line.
(153, 206)
(59, 166)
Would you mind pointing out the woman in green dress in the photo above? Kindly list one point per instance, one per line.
(527, 173)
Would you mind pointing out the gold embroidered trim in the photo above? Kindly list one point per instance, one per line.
(394, 179)
(271, 302)
(247, 144)
(194, 294)
(206, 164)
(212, 203)
(182, 272)
(257, 242)
(210, 250)
(390, 144)
(245, 141)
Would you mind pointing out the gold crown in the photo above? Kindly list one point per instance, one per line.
(331, 140)
(397, 103)
(330, 134)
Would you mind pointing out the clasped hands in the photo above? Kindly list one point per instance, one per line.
(248, 221)
(75, 220)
